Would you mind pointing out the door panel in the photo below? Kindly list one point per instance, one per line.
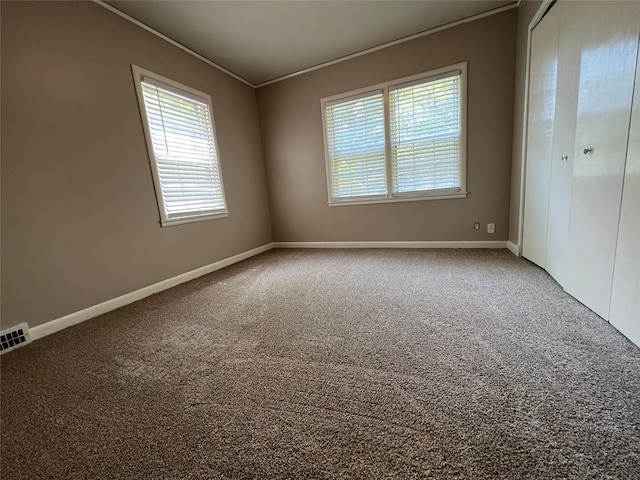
(542, 101)
(625, 293)
(569, 50)
(609, 40)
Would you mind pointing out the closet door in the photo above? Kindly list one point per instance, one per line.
(609, 38)
(625, 294)
(569, 53)
(542, 101)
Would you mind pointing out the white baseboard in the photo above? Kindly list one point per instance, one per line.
(513, 248)
(417, 244)
(104, 307)
(58, 324)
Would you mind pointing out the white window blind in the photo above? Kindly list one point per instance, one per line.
(181, 133)
(356, 147)
(425, 135)
(398, 141)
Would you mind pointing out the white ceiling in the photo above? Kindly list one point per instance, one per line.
(263, 40)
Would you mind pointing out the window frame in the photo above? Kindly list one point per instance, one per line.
(390, 197)
(138, 74)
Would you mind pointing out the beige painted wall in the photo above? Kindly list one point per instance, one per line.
(526, 12)
(291, 125)
(80, 223)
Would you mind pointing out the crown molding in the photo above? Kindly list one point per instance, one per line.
(382, 46)
(320, 65)
(171, 41)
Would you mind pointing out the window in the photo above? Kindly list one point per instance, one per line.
(398, 141)
(178, 125)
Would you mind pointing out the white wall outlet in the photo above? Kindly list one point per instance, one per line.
(491, 228)
(476, 226)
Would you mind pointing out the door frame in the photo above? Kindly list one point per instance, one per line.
(542, 10)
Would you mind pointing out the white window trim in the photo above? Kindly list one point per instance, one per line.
(459, 192)
(138, 74)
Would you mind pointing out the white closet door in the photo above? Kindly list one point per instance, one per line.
(542, 101)
(569, 53)
(625, 294)
(609, 38)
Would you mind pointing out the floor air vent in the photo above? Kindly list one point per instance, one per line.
(14, 337)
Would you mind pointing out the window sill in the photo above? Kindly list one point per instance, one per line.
(372, 201)
(170, 222)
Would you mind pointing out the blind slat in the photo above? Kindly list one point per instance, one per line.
(355, 136)
(424, 119)
(184, 149)
(425, 135)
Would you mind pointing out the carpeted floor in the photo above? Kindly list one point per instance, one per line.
(332, 364)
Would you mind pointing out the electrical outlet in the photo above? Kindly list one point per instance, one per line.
(476, 226)
(491, 228)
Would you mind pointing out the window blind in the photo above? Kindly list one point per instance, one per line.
(425, 135)
(356, 147)
(181, 132)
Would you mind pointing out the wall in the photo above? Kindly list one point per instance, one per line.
(80, 223)
(526, 12)
(291, 125)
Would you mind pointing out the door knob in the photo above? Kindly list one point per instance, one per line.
(564, 158)
(588, 150)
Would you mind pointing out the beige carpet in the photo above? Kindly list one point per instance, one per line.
(332, 364)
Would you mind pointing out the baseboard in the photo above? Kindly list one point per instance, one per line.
(513, 248)
(417, 244)
(61, 323)
(104, 307)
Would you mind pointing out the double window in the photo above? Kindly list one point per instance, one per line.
(178, 125)
(401, 140)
